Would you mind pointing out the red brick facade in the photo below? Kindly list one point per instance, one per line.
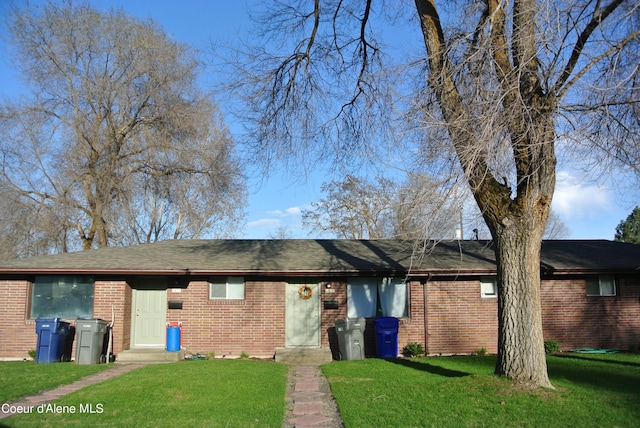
(576, 320)
(458, 320)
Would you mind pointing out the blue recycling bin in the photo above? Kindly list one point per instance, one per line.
(173, 337)
(387, 337)
(54, 341)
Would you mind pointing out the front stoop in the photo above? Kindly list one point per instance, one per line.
(149, 356)
(303, 355)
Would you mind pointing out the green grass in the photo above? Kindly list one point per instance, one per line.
(591, 391)
(221, 393)
(18, 379)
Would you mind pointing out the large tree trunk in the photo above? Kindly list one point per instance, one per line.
(515, 213)
(521, 355)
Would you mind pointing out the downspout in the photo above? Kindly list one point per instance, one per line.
(426, 321)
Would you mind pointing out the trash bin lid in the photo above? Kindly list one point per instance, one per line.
(387, 322)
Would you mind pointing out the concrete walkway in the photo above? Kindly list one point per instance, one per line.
(309, 402)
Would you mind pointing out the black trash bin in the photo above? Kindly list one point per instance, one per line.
(55, 339)
(90, 338)
(387, 337)
(350, 332)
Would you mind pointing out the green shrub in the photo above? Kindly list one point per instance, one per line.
(551, 347)
(244, 355)
(480, 352)
(413, 349)
(32, 353)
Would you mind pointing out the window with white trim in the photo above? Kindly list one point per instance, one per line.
(226, 288)
(601, 285)
(489, 286)
(62, 296)
(370, 297)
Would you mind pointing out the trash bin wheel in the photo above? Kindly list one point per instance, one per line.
(103, 358)
(65, 358)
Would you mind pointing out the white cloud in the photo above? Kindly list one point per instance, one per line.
(288, 212)
(574, 198)
(288, 218)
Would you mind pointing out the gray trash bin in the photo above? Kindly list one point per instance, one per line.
(350, 332)
(89, 340)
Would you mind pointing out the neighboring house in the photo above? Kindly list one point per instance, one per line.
(256, 296)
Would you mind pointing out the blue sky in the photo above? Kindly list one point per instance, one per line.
(590, 209)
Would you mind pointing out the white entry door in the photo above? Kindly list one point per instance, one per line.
(303, 315)
(149, 318)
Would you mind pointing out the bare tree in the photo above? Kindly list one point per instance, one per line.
(353, 209)
(555, 227)
(116, 138)
(356, 208)
(425, 209)
(282, 232)
(498, 86)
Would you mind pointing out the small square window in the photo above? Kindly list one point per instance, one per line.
(226, 288)
(489, 286)
(601, 285)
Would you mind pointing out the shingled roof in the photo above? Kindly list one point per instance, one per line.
(320, 256)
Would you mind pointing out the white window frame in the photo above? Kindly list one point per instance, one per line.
(234, 287)
(605, 285)
(489, 287)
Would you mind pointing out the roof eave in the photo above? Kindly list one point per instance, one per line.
(89, 271)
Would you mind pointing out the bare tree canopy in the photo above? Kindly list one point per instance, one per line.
(116, 143)
(494, 90)
(356, 208)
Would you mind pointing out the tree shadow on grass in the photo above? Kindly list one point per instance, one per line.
(431, 368)
(614, 376)
(589, 357)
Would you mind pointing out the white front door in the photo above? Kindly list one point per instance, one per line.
(303, 315)
(149, 318)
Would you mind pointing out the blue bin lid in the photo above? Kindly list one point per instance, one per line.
(387, 322)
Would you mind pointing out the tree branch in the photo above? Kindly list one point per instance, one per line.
(598, 16)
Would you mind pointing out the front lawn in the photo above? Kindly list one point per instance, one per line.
(219, 393)
(591, 391)
(21, 378)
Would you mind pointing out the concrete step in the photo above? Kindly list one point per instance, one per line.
(149, 356)
(303, 355)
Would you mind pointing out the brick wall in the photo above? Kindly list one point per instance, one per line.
(17, 332)
(459, 320)
(254, 325)
(576, 320)
(114, 295)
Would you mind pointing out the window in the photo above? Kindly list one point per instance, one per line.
(601, 285)
(370, 297)
(62, 297)
(226, 287)
(489, 286)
